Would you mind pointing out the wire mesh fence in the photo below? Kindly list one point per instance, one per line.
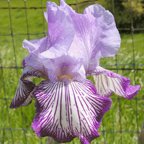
(23, 19)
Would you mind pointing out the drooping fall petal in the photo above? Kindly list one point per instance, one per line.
(107, 82)
(65, 111)
(23, 93)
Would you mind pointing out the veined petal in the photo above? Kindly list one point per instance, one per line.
(107, 82)
(23, 93)
(108, 38)
(22, 96)
(65, 111)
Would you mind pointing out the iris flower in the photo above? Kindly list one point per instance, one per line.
(68, 105)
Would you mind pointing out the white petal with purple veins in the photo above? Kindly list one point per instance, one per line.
(65, 111)
(107, 82)
(22, 96)
(23, 93)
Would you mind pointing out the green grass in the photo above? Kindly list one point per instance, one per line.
(120, 124)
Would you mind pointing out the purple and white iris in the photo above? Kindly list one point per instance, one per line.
(68, 105)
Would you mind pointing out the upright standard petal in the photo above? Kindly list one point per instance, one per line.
(61, 31)
(66, 7)
(26, 86)
(81, 38)
(107, 82)
(81, 46)
(108, 38)
(65, 111)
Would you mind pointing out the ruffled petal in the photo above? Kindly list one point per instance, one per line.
(87, 36)
(23, 94)
(65, 111)
(66, 7)
(81, 38)
(37, 46)
(107, 82)
(61, 31)
(81, 46)
(107, 39)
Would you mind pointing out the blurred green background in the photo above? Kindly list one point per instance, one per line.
(23, 19)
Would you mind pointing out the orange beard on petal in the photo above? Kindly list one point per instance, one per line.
(67, 76)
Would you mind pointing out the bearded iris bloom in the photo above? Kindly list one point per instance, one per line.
(68, 105)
